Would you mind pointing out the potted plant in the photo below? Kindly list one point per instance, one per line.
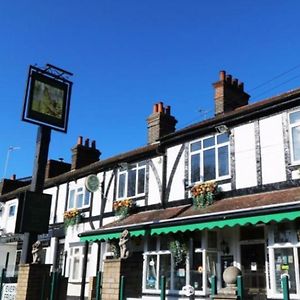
(204, 194)
(178, 250)
(71, 217)
(123, 207)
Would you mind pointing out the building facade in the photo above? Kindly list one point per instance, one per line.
(221, 192)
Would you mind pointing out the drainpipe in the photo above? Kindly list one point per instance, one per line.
(84, 267)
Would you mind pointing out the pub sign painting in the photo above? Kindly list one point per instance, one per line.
(47, 99)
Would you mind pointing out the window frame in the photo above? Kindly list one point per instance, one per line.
(77, 192)
(137, 167)
(291, 126)
(200, 153)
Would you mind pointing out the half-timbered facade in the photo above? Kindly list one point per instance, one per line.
(221, 192)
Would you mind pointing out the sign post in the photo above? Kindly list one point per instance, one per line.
(47, 103)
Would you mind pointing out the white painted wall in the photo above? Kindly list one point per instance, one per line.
(62, 196)
(245, 157)
(272, 149)
(53, 192)
(177, 188)
(153, 191)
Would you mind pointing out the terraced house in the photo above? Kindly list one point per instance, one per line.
(224, 191)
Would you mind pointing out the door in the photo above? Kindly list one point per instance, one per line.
(253, 271)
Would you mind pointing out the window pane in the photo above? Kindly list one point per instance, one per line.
(151, 275)
(131, 183)
(71, 199)
(209, 165)
(121, 191)
(196, 146)
(211, 265)
(87, 195)
(197, 271)
(12, 210)
(180, 276)
(223, 138)
(285, 264)
(76, 270)
(165, 269)
(195, 168)
(79, 200)
(223, 161)
(209, 142)
(296, 142)
(295, 117)
(141, 181)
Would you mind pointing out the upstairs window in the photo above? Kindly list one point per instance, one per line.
(79, 198)
(294, 119)
(12, 210)
(209, 158)
(131, 181)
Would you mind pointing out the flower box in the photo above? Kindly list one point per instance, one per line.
(204, 194)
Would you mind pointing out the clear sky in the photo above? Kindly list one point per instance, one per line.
(127, 55)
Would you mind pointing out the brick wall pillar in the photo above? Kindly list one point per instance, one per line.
(31, 279)
(111, 279)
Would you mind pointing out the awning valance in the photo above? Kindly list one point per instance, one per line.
(277, 217)
(110, 236)
(197, 225)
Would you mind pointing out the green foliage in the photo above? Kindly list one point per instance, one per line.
(178, 250)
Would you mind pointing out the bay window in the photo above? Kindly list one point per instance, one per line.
(294, 121)
(131, 181)
(209, 158)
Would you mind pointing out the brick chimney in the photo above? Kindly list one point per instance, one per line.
(56, 167)
(84, 154)
(229, 94)
(9, 185)
(160, 122)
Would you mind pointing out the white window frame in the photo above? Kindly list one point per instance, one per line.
(201, 292)
(291, 126)
(294, 245)
(200, 152)
(80, 257)
(137, 167)
(77, 192)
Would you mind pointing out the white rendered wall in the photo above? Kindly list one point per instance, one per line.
(153, 191)
(245, 157)
(97, 197)
(110, 195)
(62, 196)
(10, 222)
(52, 191)
(272, 150)
(177, 188)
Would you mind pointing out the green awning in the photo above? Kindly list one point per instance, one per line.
(198, 225)
(277, 217)
(109, 236)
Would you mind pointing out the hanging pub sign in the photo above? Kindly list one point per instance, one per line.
(47, 98)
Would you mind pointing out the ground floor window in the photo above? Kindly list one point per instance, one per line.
(195, 269)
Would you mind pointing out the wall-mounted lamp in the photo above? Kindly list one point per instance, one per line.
(224, 247)
(222, 129)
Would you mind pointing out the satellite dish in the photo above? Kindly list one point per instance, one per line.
(92, 183)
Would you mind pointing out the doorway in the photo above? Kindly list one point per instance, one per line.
(253, 270)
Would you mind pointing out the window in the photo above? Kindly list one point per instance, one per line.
(12, 210)
(79, 198)
(131, 182)
(158, 261)
(294, 119)
(76, 256)
(209, 158)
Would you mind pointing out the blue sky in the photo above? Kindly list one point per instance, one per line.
(127, 55)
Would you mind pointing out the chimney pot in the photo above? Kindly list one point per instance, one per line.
(160, 107)
(87, 142)
(13, 177)
(234, 82)
(168, 110)
(241, 86)
(155, 108)
(222, 75)
(229, 79)
(93, 144)
(79, 140)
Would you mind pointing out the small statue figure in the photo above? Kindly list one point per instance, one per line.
(124, 244)
(36, 252)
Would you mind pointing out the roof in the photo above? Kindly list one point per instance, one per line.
(255, 204)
